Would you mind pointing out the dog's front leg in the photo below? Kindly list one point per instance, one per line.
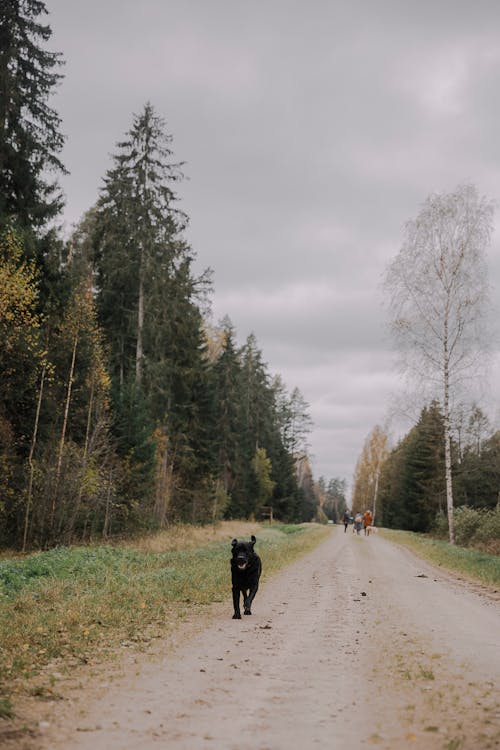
(249, 599)
(246, 602)
(236, 603)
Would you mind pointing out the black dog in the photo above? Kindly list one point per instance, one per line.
(246, 568)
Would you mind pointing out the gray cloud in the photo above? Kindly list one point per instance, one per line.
(311, 132)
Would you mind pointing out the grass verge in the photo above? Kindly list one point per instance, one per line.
(474, 564)
(64, 605)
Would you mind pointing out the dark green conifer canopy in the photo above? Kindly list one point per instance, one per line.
(30, 139)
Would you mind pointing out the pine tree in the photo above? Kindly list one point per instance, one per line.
(149, 307)
(30, 140)
(227, 412)
(412, 483)
(138, 233)
(259, 428)
(477, 472)
(287, 497)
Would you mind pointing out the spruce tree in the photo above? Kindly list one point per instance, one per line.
(412, 487)
(148, 302)
(138, 240)
(256, 420)
(30, 139)
(227, 413)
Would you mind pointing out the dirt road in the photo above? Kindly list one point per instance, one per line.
(357, 645)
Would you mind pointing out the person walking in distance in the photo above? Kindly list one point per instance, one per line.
(345, 520)
(358, 523)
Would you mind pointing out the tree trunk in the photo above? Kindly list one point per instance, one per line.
(76, 508)
(140, 325)
(107, 514)
(63, 435)
(30, 457)
(447, 439)
(216, 496)
(163, 480)
(375, 495)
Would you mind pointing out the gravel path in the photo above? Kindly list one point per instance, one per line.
(359, 644)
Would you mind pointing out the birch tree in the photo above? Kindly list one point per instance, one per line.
(437, 292)
(368, 468)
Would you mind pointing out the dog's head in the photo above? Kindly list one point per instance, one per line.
(243, 552)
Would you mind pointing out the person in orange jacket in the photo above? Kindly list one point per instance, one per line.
(367, 520)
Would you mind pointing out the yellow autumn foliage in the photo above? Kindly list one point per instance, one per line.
(18, 295)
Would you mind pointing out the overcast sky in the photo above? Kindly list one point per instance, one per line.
(311, 131)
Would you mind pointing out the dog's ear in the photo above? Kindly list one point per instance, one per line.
(234, 543)
(253, 539)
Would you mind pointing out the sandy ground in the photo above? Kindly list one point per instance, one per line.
(359, 644)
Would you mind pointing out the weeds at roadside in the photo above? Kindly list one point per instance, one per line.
(6, 710)
(479, 566)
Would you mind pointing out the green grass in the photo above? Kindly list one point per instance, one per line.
(6, 710)
(289, 528)
(74, 602)
(474, 564)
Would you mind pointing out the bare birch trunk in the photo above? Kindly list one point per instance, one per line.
(107, 514)
(447, 437)
(449, 486)
(30, 457)
(74, 515)
(375, 495)
(163, 481)
(63, 434)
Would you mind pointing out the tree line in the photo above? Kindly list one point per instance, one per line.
(408, 483)
(122, 407)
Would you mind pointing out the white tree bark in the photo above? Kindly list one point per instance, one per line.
(30, 457)
(63, 433)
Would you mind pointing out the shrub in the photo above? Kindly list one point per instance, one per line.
(440, 527)
(489, 526)
(474, 527)
(467, 522)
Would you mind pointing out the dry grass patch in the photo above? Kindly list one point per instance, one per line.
(185, 536)
(71, 605)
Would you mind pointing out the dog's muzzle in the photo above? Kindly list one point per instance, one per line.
(241, 564)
